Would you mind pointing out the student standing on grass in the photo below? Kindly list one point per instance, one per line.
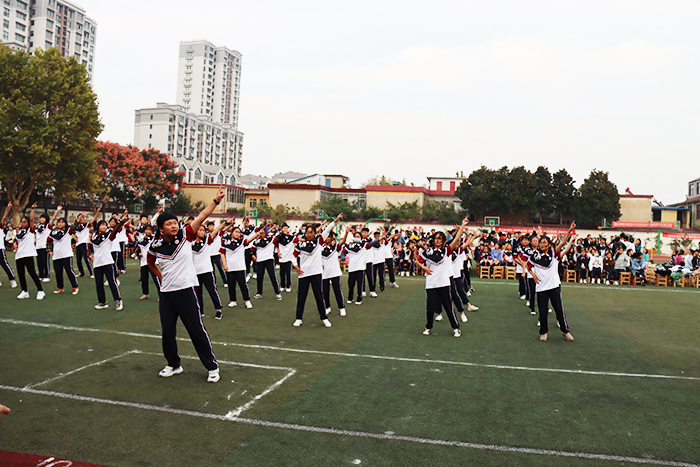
(457, 290)
(263, 250)
(436, 263)
(81, 232)
(101, 242)
(142, 251)
(233, 247)
(355, 252)
(201, 253)
(215, 256)
(331, 271)
(389, 256)
(308, 251)
(544, 266)
(61, 236)
(284, 242)
(175, 269)
(42, 235)
(26, 252)
(3, 257)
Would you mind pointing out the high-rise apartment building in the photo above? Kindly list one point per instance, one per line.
(205, 150)
(200, 132)
(208, 81)
(42, 24)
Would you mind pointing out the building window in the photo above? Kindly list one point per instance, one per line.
(263, 202)
(198, 174)
(21, 15)
(252, 202)
(20, 26)
(691, 190)
(19, 37)
(5, 24)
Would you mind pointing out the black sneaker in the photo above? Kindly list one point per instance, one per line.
(218, 315)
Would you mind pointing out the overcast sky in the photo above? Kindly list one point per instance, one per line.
(409, 89)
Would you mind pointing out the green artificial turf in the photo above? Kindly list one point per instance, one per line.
(372, 373)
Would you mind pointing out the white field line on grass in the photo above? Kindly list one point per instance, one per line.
(628, 288)
(63, 375)
(238, 411)
(358, 434)
(231, 414)
(355, 355)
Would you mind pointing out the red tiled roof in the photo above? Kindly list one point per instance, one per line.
(397, 188)
(303, 186)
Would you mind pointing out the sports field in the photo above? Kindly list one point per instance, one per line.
(372, 390)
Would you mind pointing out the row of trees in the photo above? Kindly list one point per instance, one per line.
(540, 193)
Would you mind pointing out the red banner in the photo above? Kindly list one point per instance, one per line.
(681, 235)
(644, 225)
(547, 230)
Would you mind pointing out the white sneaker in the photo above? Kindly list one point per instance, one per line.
(255, 275)
(464, 318)
(143, 297)
(469, 294)
(248, 304)
(75, 291)
(364, 294)
(118, 283)
(257, 296)
(358, 303)
(549, 310)
(326, 323)
(533, 312)
(213, 376)
(13, 284)
(373, 294)
(471, 307)
(527, 303)
(438, 317)
(426, 332)
(342, 312)
(328, 311)
(247, 277)
(119, 305)
(349, 301)
(278, 297)
(106, 283)
(225, 286)
(101, 306)
(232, 304)
(92, 276)
(297, 323)
(523, 297)
(288, 289)
(394, 285)
(23, 295)
(46, 279)
(40, 295)
(456, 332)
(168, 371)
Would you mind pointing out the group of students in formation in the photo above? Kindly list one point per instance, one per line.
(181, 261)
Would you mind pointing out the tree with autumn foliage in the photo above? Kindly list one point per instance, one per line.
(49, 123)
(130, 175)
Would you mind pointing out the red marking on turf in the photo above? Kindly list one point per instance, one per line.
(19, 459)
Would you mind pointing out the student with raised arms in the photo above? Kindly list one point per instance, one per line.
(61, 236)
(170, 259)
